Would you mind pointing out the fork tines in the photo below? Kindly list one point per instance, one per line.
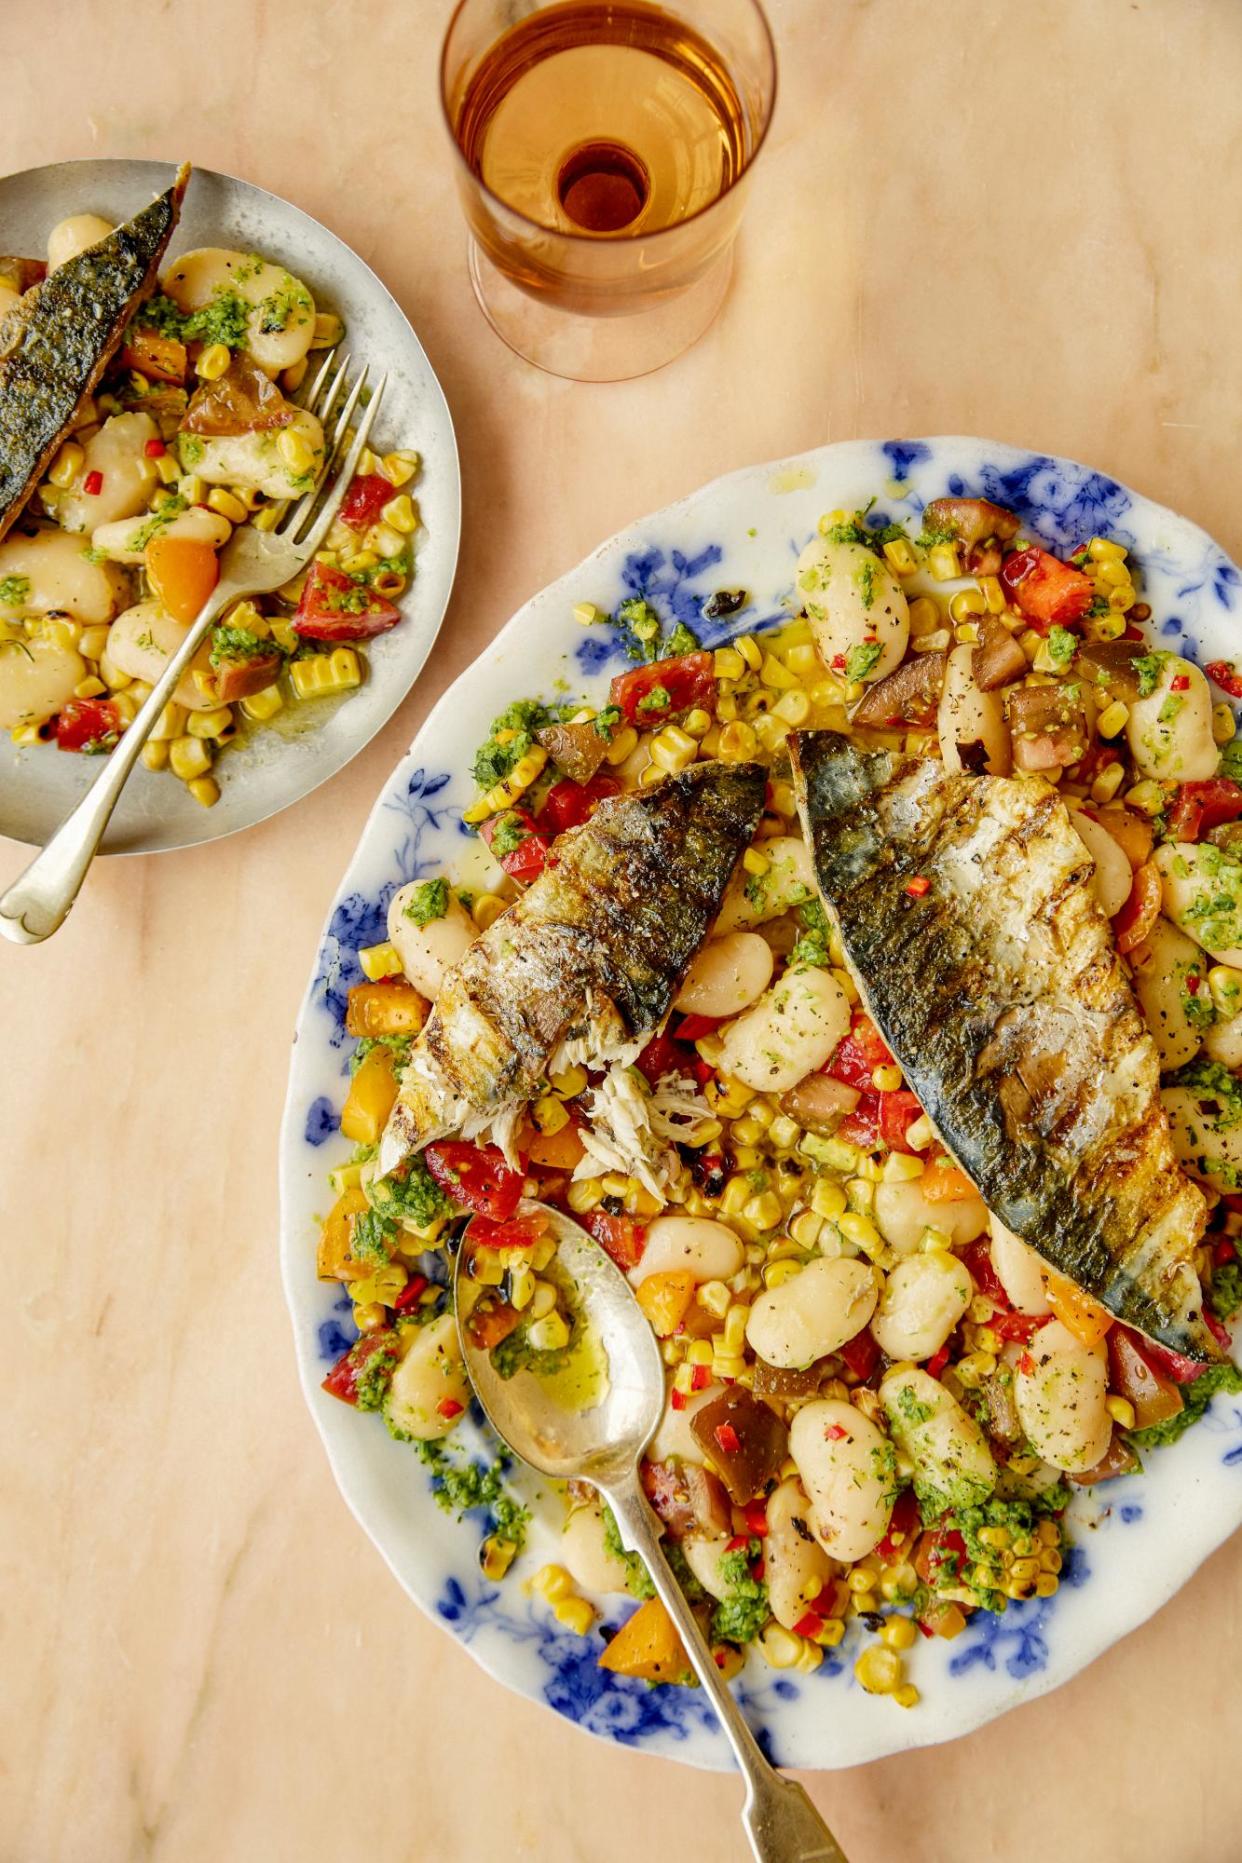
(307, 523)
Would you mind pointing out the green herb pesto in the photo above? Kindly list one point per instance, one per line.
(1061, 645)
(657, 700)
(399, 1045)
(509, 833)
(460, 1488)
(606, 721)
(862, 659)
(639, 626)
(493, 761)
(1146, 670)
(372, 1238)
(680, 641)
(238, 643)
(428, 901)
(1195, 1399)
(812, 947)
(224, 320)
(856, 530)
(190, 449)
(933, 534)
(637, 1578)
(151, 527)
(372, 1382)
(410, 1195)
(741, 1616)
(865, 579)
(289, 303)
(1225, 1295)
(14, 590)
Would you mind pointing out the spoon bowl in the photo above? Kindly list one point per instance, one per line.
(602, 1441)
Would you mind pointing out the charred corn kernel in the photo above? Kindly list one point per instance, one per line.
(737, 743)
(998, 1538)
(1113, 719)
(496, 1555)
(89, 688)
(63, 631)
(728, 1097)
(296, 451)
(764, 1211)
(209, 724)
(1225, 983)
(553, 1583)
(389, 582)
(1121, 1410)
(828, 1199)
(966, 634)
(92, 641)
(780, 1648)
(700, 1352)
(1049, 1559)
(783, 799)
(715, 1296)
(750, 650)
(1104, 550)
(870, 1170)
(323, 673)
(154, 755)
(1048, 1533)
(67, 464)
(784, 1133)
(205, 791)
(755, 862)
(792, 708)
(967, 602)
(379, 960)
(169, 724)
(771, 732)
(993, 594)
(1147, 796)
(747, 1131)
(585, 1194)
(861, 1231)
(830, 1633)
(550, 1334)
(900, 557)
(879, 1670)
(368, 462)
(776, 1273)
(360, 560)
(806, 1226)
(1224, 724)
(268, 518)
(728, 1659)
(549, 1114)
(979, 1312)
(213, 362)
(226, 505)
(697, 723)
(854, 689)
(1122, 598)
(728, 663)
(506, 792)
(987, 1339)
(189, 758)
(191, 488)
(1106, 627)
(623, 745)
(810, 1656)
(1112, 572)
(805, 662)
(1047, 1585)
(774, 672)
(924, 616)
(899, 1633)
(900, 1168)
(24, 736)
(401, 514)
(328, 331)
(521, 1285)
(735, 1328)
(932, 643)
(734, 1197)
(167, 469)
(886, 1079)
(261, 706)
(400, 468)
(907, 1696)
(1108, 782)
(944, 562)
(542, 1299)
(975, 1367)
(672, 749)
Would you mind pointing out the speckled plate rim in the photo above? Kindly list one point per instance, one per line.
(1157, 1529)
(268, 773)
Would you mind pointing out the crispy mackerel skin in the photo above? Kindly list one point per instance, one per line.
(596, 948)
(58, 340)
(1000, 993)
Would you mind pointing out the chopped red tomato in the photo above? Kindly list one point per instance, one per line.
(411, 1294)
(978, 1259)
(1217, 1328)
(756, 1513)
(1200, 807)
(1182, 1370)
(1225, 676)
(651, 695)
(346, 1375)
(522, 850)
(694, 1028)
(619, 1236)
(861, 1354)
(88, 724)
(1139, 914)
(862, 1126)
(1048, 592)
(475, 1176)
(154, 449)
(516, 1232)
(663, 1055)
(1020, 1326)
(903, 1526)
(335, 607)
(368, 493)
(859, 1054)
(938, 1360)
(898, 1112)
(567, 804)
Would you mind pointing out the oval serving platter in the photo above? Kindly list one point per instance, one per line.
(1136, 1540)
(271, 768)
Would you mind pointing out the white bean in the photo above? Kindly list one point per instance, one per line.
(689, 1244)
(902, 1213)
(953, 1465)
(37, 677)
(430, 1374)
(1162, 966)
(255, 459)
(143, 640)
(76, 234)
(796, 1568)
(704, 1552)
(1020, 1271)
(753, 899)
(854, 602)
(1113, 875)
(818, 1310)
(590, 1562)
(1203, 895)
(969, 715)
(1208, 1143)
(279, 300)
(789, 1033)
(727, 976)
(58, 578)
(1223, 1042)
(126, 476)
(923, 1299)
(1060, 1399)
(124, 541)
(428, 951)
(1170, 731)
(849, 1471)
(674, 1440)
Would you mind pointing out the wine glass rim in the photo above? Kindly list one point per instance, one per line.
(588, 239)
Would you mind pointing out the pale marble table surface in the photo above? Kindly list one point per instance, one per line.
(1016, 220)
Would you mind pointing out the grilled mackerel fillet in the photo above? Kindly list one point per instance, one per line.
(1001, 995)
(588, 960)
(59, 338)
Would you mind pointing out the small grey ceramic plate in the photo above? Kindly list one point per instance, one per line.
(275, 766)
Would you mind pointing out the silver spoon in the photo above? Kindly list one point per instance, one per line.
(603, 1445)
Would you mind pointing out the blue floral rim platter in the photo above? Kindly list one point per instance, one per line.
(1136, 1540)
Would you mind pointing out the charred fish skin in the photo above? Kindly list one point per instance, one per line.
(595, 950)
(58, 339)
(1000, 993)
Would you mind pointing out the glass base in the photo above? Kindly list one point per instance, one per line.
(597, 349)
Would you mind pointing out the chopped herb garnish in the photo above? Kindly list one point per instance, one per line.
(862, 659)
(428, 901)
(13, 590)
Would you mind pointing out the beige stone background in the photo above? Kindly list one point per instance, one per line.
(1021, 220)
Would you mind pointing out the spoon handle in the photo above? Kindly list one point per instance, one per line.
(781, 1822)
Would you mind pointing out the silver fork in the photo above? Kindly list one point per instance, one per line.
(252, 563)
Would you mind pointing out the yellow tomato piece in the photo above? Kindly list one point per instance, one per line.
(1084, 1317)
(664, 1299)
(372, 1093)
(648, 1646)
(182, 572)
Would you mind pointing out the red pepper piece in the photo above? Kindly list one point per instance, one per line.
(729, 1443)
(1225, 676)
(92, 484)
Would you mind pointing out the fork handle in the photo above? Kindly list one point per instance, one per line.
(38, 901)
